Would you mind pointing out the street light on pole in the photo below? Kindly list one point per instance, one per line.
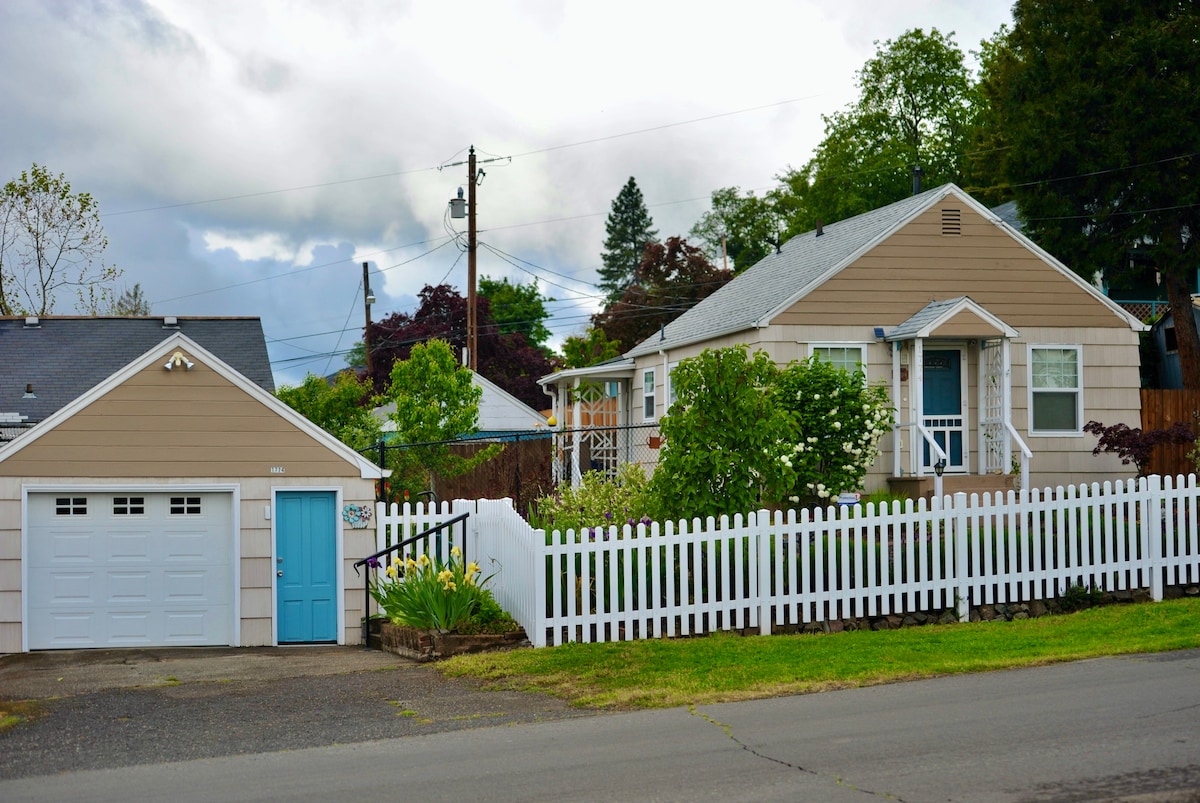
(474, 177)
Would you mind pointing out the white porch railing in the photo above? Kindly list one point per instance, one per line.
(778, 569)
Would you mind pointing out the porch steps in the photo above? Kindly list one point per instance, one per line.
(923, 487)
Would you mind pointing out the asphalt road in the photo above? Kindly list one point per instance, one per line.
(1108, 729)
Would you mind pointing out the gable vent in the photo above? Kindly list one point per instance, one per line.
(951, 222)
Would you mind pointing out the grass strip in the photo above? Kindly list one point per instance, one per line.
(723, 667)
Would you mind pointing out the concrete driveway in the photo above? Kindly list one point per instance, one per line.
(95, 709)
(67, 673)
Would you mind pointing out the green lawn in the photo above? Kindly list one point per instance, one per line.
(723, 667)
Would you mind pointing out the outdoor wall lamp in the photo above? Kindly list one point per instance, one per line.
(939, 467)
(177, 359)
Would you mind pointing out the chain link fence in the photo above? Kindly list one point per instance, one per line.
(527, 467)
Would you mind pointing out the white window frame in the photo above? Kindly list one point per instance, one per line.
(671, 383)
(1032, 392)
(649, 395)
(861, 347)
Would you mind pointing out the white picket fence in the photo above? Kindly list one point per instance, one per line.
(783, 568)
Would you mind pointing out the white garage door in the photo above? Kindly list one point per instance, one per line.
(129, 569)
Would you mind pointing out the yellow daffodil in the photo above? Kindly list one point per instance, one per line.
(410, 564)
(423, 561)
(397, 560)
(445, 576)
(450, 586)
(455, 552)
(472, 568)
(391, 571)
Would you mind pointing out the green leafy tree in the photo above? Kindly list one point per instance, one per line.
(436, 401)
(744, 228)
(838, 422)
(51, 240)
(628, 230)
(1097, 104)
(517, 308)
(342, 408)
(131, 303)
(915, 107)
(724, 437)
(590, 348)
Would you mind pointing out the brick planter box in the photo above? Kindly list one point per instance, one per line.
(430, 645)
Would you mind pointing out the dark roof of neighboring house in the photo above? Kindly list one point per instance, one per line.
(63, 357)
(1009, 213)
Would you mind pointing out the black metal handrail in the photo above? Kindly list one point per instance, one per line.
(462, 517)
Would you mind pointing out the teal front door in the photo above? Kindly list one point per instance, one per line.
(306, 566)
(942, 413)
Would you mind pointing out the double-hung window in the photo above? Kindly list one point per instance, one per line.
(648, 395)
(1055, 390)
(849, 358)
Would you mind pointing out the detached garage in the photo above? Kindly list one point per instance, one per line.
(163, 497)
(129, 569)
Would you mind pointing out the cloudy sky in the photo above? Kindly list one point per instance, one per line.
(249, 155)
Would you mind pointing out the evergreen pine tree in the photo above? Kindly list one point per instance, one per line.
(629, 229)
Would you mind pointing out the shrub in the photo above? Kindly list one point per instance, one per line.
(599, 501)
(724, 437)
(838, 421)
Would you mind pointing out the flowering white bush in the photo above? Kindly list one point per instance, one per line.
(839, 420)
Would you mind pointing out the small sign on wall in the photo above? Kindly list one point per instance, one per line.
(277, 470)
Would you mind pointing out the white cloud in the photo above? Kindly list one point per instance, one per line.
(293, 139)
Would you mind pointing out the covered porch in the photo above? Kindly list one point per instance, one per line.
(952, 385)
(591, 420)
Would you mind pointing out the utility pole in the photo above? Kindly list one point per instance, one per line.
(474, 178)
(368, 300)
(472, 329)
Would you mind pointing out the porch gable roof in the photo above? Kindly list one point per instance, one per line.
(937, 314)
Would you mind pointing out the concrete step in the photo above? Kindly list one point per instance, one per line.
(923, 487)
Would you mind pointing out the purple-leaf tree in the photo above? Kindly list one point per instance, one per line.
(1133, 445)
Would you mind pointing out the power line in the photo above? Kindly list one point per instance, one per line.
(338, 182)
(311, 268)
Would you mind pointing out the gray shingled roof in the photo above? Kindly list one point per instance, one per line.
(924, 316)
(64, 357)
(803, 263)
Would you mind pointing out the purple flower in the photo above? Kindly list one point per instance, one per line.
(608, 516)
(373, 563)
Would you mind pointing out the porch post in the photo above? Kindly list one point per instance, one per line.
(1006, 403)
(897, 435)
(916, 380)
(577, 426)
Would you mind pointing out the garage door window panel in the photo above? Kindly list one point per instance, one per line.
(70, 506)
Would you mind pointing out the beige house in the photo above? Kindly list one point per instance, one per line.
(175, 502)
(995, 353)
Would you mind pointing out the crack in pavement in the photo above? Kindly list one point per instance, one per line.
(839, 780)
